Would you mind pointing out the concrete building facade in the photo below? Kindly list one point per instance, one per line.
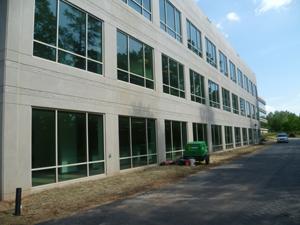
(91, 88)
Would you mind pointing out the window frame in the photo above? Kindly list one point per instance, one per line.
(211, 53)
(212, 102)
(142, 8)
(88, 162)
(58, 49)
(226, 101)
(198, 50)
(223, 69)
(131, 74)
(132, 156)
(194, 96)
(163, 24)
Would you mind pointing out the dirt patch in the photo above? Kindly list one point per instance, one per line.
(69, 200)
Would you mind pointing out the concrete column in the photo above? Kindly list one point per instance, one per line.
(190, 136)
(155, 13)
(16, 144)
(161, 142)
(110, 51)
(112, 144)
(233, 137)
(209, 137)
(158, 71)
(223, 137)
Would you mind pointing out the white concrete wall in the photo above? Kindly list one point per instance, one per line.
(31, 81)
(3, 11)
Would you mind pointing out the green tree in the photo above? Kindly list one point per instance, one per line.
(283, 121)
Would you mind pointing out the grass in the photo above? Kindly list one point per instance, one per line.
(69, 200)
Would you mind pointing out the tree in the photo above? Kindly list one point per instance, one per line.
(283, 121)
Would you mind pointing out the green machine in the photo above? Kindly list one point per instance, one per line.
(196, 150)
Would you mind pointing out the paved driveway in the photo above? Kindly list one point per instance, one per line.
(260, 189)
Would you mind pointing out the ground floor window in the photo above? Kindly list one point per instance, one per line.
(66, 146)
(200, 132)
(176, 138)
(228, 137)
(245, 136)
(137, 142)
(216, 135)
(251, 141)
(237, 135)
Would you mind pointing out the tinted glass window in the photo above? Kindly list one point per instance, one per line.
(43, 138)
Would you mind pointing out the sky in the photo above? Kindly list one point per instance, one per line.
(266, 34)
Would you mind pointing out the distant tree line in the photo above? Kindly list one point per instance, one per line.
(283, 121)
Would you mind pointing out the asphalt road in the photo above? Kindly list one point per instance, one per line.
(260, 189)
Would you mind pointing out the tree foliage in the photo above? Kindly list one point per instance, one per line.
(283, 121)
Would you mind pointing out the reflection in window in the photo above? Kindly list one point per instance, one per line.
(245, 136)
(197, 87)
(243, 106)
(173, 77)
(170, 19)
(240, 78)
(194, 38)
(200, 132)
(228, 137)
(141, 6)
(211, 55)
(78, 40)
(176, 138)
(214, 95)
(216, 135)
(237, 134)
(78, 154)
(235, 104)
(135, 61)
(137, 142)
(232, 71)
(223, 63)
(226, 100)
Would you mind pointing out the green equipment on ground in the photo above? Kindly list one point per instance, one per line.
(196, 150)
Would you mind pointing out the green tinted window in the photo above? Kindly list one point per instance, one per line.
(43, 138)
(79, 35)
(124, 136)
(45, 25)
(71, 138)
(136, 57)
(96, 137)
(197, 87)
(138, 129)
(94, 39)
(176, 138)
(173, 77)
(140, 58)
(137, 139)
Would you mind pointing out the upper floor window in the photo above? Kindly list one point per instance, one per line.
(246, 82)
(240, 78)
(194, 38)
(214, 95)
(223, 63)
(248, 109)
(243, 106)
(235, 104)
(249, 86)
(170, 19)
(226, 100)
(211, 55)
(232, 71)
(173, 77)
(197, 87)
(69, 35)
(135, 61)
(141, 6)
